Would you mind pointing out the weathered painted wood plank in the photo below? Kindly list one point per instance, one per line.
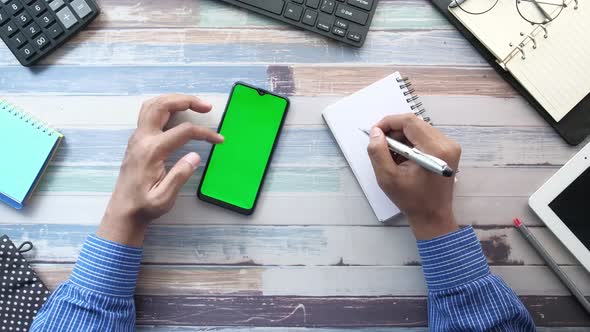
(129, 80)
(196, 47)
(407, 14)
(316, 281)
(320, 80)
(122, 111)
(103, 179)
(274, 209)
(336, 181)
(297, 329)
(326, 312)
(281, 311)
(303, 329)
(315, 147)
(298, 80)
(284, 245)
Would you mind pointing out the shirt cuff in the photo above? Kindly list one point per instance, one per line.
(452, 260)
(107, 268)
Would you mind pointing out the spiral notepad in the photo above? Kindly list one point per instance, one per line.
(363, 109)
(551, 61)
(26, 147)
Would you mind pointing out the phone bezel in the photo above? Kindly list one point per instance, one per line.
(227, 205)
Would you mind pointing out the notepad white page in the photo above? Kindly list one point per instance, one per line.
(557, 72)
(364, 109)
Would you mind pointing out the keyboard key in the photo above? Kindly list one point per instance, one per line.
(352, 14)
(18, 40)
(298, 1)
(310, 17)
(293, 12)
(32, 30)
(66, 17)
(81, 8)
(354, 36)
(8, 29)
(38, 8)
(328, 6)
(273, 6)
(362, 4)
(323, 25)
(56, 5)
(27, 51)
(23, 19)
(313, 3)
(41, 41)
(338, 31)
(46, 19)
(3, 16)
(14, 8)
(54, 31)
(341, 24)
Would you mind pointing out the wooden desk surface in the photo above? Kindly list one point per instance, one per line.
(314, 255)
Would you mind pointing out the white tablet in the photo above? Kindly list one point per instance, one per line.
(563, 203)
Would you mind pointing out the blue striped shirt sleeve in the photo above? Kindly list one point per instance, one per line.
(99, 294)
(463, 295)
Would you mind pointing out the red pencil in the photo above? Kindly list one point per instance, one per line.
(526, 233)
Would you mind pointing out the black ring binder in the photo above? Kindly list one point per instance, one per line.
(413, 99)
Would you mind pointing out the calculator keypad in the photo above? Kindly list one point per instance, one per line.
(34, 28)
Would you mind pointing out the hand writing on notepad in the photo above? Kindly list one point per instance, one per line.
(424, 197)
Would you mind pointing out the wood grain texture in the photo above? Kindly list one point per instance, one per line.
(326, 311)
(315, 147)
(315, 280)
(303, 329)
(199, 46)
(284, 245)
(306, 80)
(121, 111)
(392, 14)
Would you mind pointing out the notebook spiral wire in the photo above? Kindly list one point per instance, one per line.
(26, 117)
(411, 98)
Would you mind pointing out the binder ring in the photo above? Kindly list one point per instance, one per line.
(529, 37)
(545, 30)
(521, 51)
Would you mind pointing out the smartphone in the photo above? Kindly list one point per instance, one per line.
(235, 171)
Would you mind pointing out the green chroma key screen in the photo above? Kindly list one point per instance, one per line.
(235, 171)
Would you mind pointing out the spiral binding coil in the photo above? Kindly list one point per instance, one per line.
(412, 99)
(26, 117)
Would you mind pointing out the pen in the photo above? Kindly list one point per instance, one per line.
(526, 233)
(427, 161)
(456, 3)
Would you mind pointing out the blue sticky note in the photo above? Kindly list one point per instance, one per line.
(26, 147)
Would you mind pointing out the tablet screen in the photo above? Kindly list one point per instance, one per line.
(570, 206)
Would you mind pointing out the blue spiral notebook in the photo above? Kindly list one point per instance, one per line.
(26, 146)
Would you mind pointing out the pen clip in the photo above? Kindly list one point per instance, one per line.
(440, 162)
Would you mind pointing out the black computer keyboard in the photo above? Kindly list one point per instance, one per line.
(34, 28)
(345, 20)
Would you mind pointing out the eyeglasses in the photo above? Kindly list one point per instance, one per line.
(532, 11)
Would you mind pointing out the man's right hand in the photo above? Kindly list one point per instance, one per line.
(424, 197)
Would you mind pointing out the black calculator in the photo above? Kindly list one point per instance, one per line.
(32, 29)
